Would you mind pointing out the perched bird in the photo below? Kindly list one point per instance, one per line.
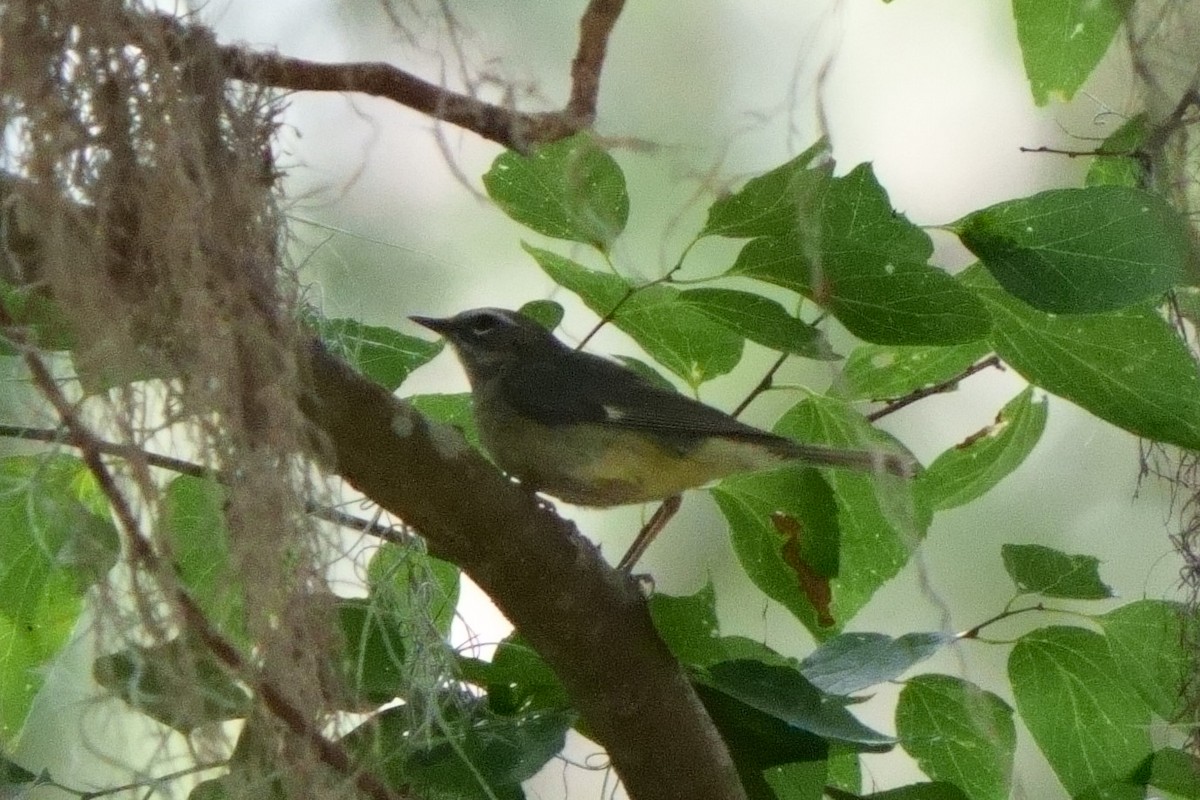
(591, 432)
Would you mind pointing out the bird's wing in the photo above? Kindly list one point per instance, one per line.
(591, 389)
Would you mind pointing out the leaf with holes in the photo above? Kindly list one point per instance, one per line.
(970, 469)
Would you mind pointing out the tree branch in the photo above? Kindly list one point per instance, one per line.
(514, 129)
(178, 465)
(589, 622)
(594, 28)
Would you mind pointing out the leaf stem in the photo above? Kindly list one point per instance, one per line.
(611, 314)
(973, 633)
(763, 385)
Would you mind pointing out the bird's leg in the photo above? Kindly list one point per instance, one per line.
(658, 520)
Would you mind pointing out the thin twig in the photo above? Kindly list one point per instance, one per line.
(1068, 153)
(973, 633)
(151, 783)
(611, 314)
(133, 453)
(766, 383)
(939, 388)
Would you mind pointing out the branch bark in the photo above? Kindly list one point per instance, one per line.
(589, 622)
(516, 130)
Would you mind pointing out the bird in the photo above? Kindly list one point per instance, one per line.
(591, 432)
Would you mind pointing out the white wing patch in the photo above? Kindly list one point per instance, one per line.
(613, 413)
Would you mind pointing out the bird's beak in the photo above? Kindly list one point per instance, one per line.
(434, 324)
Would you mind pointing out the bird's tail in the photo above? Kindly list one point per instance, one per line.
(879, 460)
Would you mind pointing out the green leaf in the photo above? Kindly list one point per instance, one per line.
(477, 754)
(374, 664)
(970, 469)
(878, 518)
(1127, 367)
(1147, 641)
(958, 733)
(877, 372)
(1081, 251)
(519, 681)
(414, 587)
(845, 771)
(852, 662)
(786, 695)
(382, 354)
(688, 626)
(773, 203)
(180, 684)
(1176, 772)
(1053, 573)
(758, 742)
(13, 774)
(1117, 164)
(55, 533)
(570, 189)
(787, 567)
(56, 540)
(648, 372)
(22, 659)
(859, 221)
(1091, 726)
(193, 521)
(450, 409)
(675, 334)
(546, 313)
(878, 298)
(921, 791)
(797, 781)
(1062, 41)
(847, 249)
(760, 320)
(41, 322)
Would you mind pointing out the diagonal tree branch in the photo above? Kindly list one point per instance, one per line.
(589, 622)
(514, 129)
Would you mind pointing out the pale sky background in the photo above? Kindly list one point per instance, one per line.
(932, 92)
